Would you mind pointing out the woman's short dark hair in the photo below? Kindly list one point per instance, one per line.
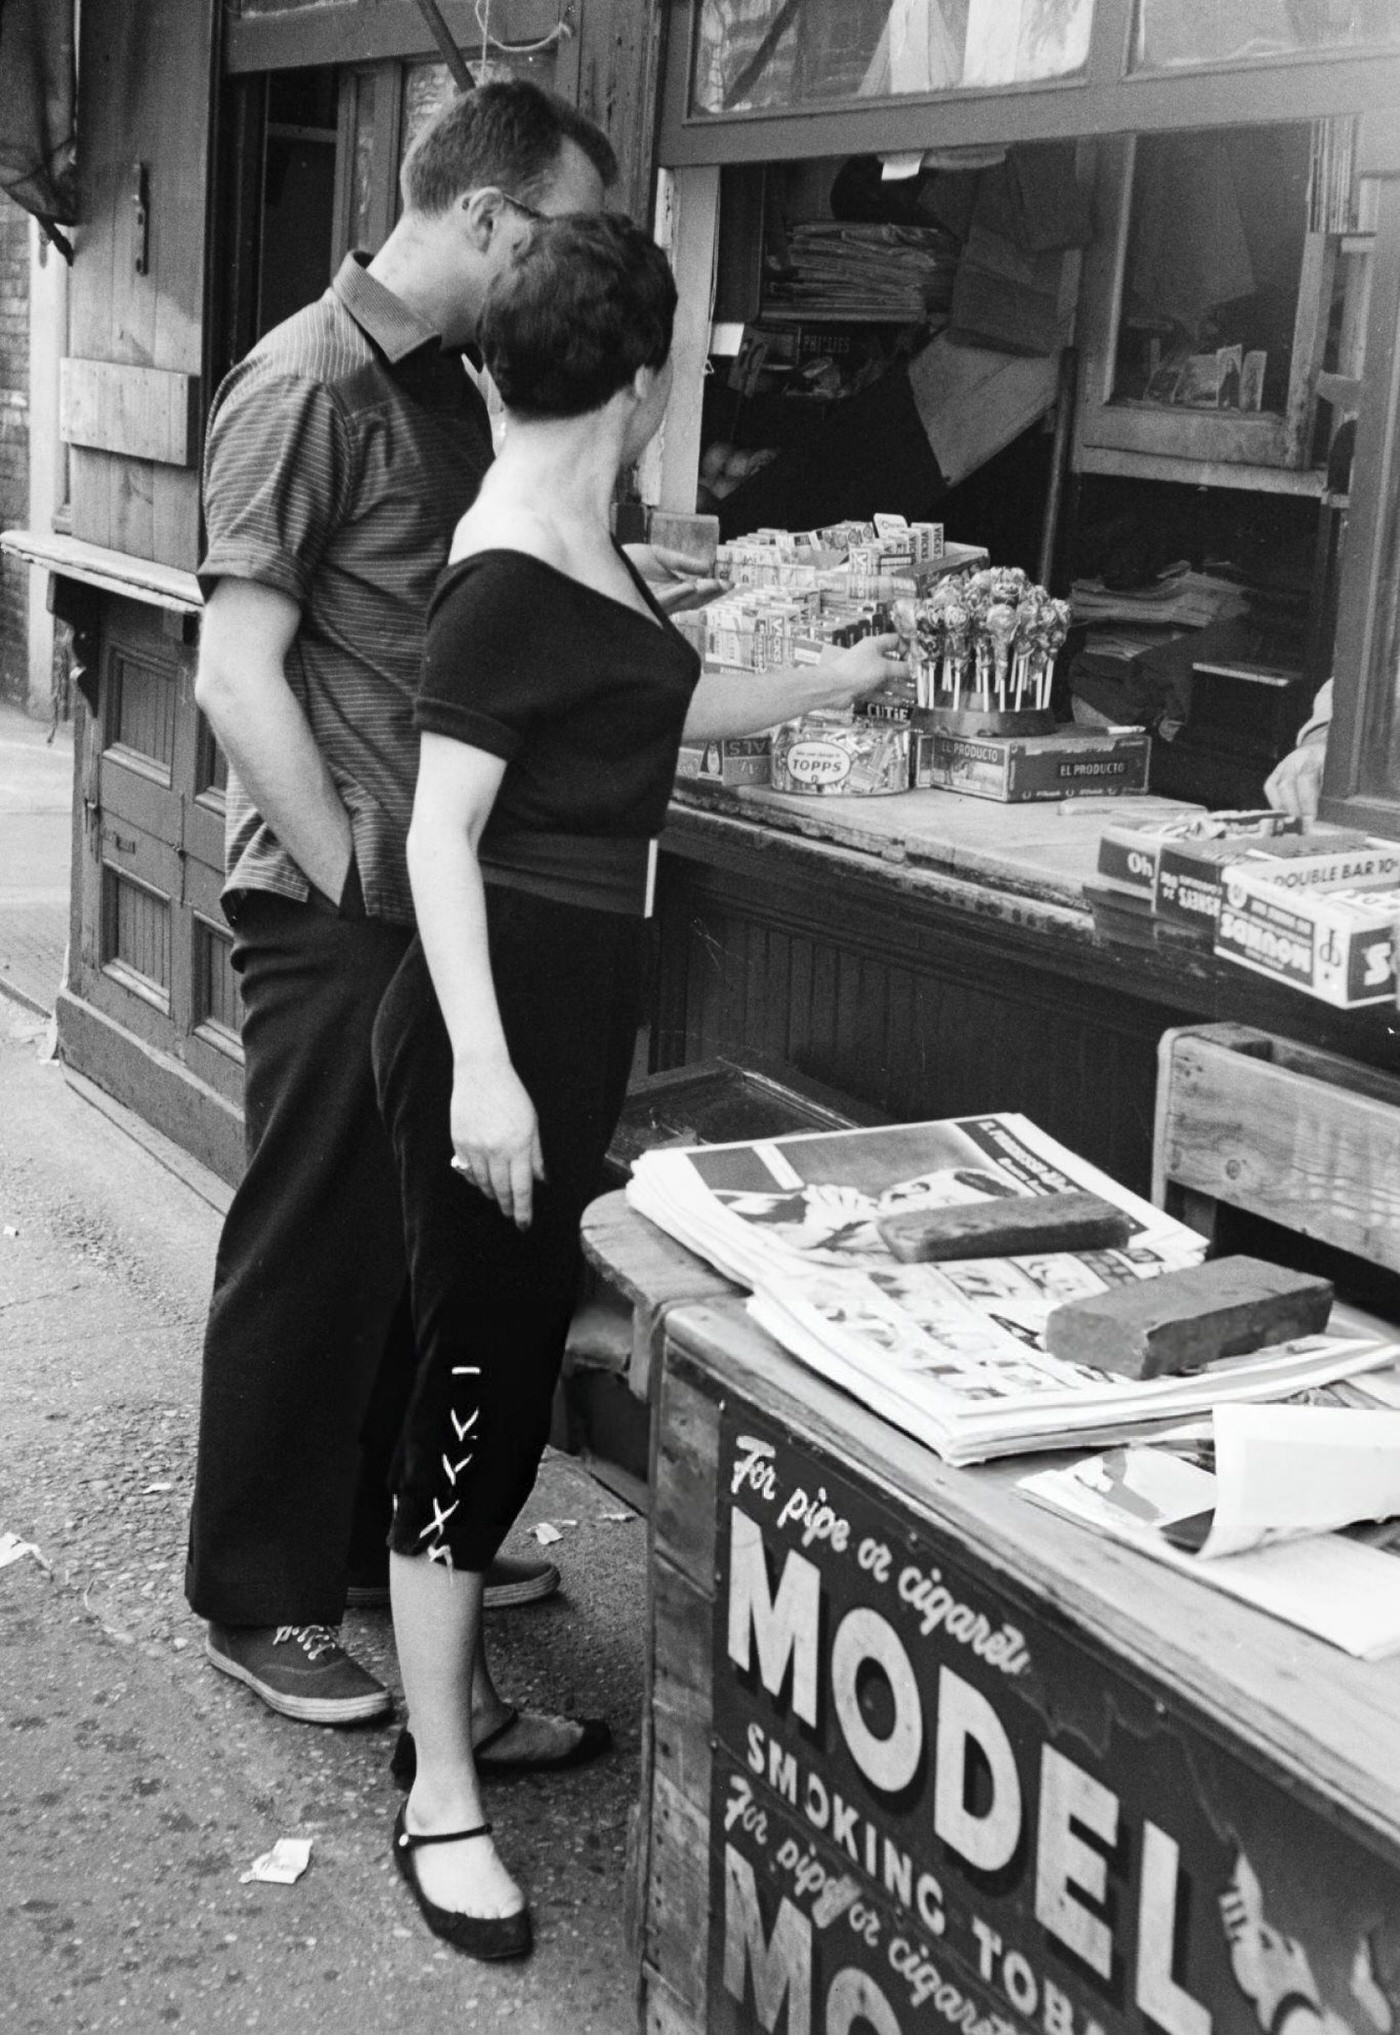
(508, 134)
(587, 301)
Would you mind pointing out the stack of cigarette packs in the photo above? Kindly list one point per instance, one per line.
(1317, 908)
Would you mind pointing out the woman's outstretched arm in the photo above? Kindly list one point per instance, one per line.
(747, 702)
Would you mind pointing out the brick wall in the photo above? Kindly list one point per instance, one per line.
(14, 443)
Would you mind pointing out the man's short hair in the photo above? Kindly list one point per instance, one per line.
(586, 302)
(509, 134)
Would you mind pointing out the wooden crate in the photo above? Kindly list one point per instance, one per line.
(1304, 1139)
(1168, 1746)
(1198, 1789)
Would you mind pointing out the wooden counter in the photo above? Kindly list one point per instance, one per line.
(931, 955)
(930, 1758)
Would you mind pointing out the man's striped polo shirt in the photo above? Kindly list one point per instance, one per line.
(341, 453)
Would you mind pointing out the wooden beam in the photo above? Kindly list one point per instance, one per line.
(687, 221)
(111, 572)
(346, 32)
(140, 412)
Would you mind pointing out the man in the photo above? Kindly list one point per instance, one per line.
(341, 454)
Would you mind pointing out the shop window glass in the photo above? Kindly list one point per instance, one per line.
(428, 86)
(1214, 255)
(751, 55)
(1186, 34)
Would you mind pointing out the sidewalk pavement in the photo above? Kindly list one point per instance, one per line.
(36, 803)
(136, 1784)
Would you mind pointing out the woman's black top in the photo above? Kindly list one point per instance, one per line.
(581, 696)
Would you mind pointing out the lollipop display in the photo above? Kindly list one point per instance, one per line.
(985, 644)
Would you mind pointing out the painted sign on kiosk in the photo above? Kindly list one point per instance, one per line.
(935, 1808)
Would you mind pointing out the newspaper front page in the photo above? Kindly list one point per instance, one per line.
(953, 1352)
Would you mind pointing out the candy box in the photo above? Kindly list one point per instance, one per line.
(735, 759)
(1336, 943)
(1130, 850)
(1191, 873)
(838, 755)
(1017, 769)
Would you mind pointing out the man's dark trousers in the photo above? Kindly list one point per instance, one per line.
(308, 1351)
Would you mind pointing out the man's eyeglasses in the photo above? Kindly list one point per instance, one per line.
(526, 211)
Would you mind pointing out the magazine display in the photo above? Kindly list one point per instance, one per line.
(1261, 1489)
(951, 1352)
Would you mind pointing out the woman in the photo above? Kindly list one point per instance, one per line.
(553, 699)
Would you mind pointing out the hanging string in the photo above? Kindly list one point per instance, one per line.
(560, 32)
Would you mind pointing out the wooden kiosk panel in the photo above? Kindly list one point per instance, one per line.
(920, 1757)
(1307, 1139)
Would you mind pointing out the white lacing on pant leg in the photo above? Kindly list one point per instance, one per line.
(437, 1549)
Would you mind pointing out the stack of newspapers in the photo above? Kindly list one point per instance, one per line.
(835, 269)
(952, 1353)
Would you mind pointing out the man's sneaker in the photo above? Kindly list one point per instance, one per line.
(302, 1671)
(508, 1582)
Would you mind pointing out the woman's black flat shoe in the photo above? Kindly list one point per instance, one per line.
(483, 1936)
(595, 1736)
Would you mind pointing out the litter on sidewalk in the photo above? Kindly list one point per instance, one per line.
(13, 1549)
(284, 1864)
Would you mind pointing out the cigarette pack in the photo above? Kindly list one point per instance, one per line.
(924, 541)
(1336, 943)
(1191, 873)
(1129, 851)
(1016, 769)
(736, 759)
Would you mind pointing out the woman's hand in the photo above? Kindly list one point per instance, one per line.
(840, 677)
(496, 1138)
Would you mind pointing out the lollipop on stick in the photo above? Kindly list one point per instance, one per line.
(1058, 617)
(1027, 618)
(1000, 628)
(930, 653)
(956, 623)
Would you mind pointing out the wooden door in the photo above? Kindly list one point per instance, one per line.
(150, 1007)
(132, 376)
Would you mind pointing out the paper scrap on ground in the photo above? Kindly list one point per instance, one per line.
(286, 1862)
(618, 1518)
(13, 1549)
(546, 1534)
